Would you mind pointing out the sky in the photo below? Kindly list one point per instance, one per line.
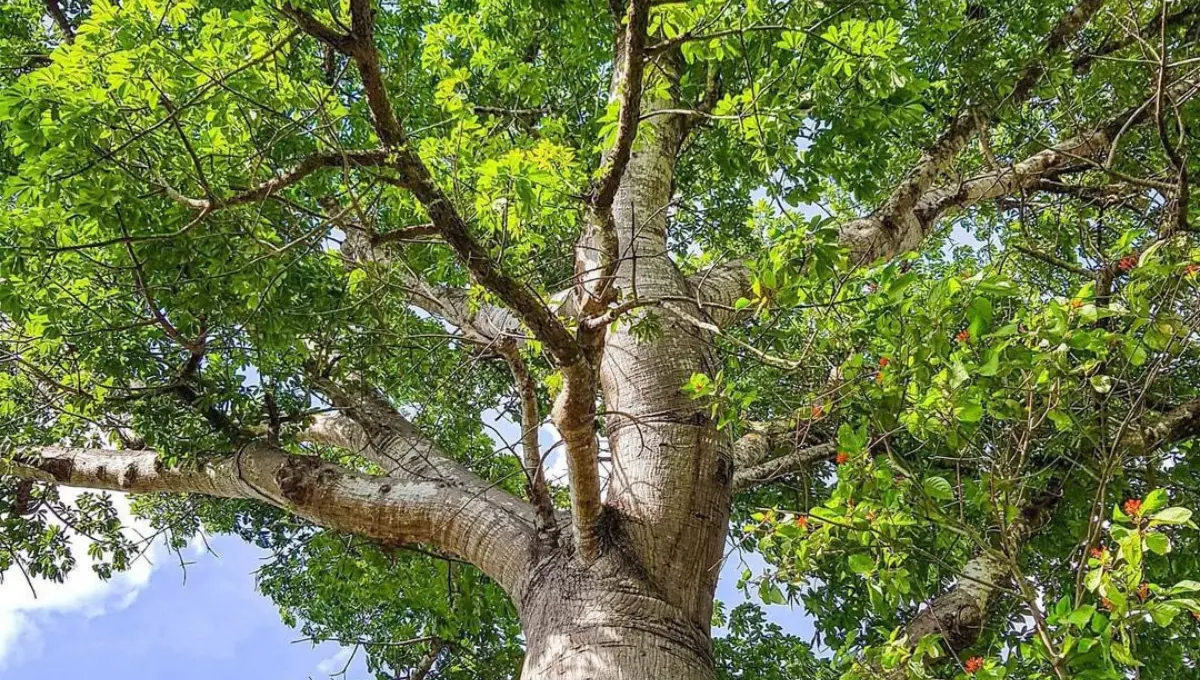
(160, 620)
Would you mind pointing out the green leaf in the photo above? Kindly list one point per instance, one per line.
(1158, 543)
(1154, 501)
(1171, 516)
(979, 316)
(1121, 653)
(1163, 613)
(861, 563)
(1080, 617)
(939, 488)
(991, 363)
(1062, 421)
(970, 412)
(770, 593)
(1101, 383)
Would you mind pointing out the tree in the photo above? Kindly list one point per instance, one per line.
(275, 267)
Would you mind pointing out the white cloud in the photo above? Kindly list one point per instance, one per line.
(22, 614)
(335, 663)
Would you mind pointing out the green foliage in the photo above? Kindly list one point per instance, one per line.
(753, 647)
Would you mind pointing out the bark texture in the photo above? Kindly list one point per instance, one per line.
(384, 508)
(607, 621)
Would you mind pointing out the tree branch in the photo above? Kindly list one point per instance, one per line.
(790, 463)
(870, 239)
(63, 24)
(598, 253)
(383, 508)
(574, 415)
(415, 177)
(894, 225)
(531, 450)
(391, 441)
(306, 167)
(960, 613)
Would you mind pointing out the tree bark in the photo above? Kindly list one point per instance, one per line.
(603, 621)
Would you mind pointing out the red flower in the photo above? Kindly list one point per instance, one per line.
(1143, 592)
(884, 361)
(842, 458)
(802, 521)
(974, 665)
(963, 335)
(1127, 263)
(1099, 554)
(1133, 507)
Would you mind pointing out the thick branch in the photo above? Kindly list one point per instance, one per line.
(63, 24)
(383, 508)
(526, 304)
(415, 177)
(782, 466)
(1175, 426)
(870, 239)
(630, 85)
(388, 439)
(574, 415)
(895, 222)
(597, 270)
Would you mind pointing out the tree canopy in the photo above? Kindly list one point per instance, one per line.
(944, 250)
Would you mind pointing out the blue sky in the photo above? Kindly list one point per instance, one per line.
(147, 624)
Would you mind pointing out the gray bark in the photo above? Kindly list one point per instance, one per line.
(390, 509)
(606, 621)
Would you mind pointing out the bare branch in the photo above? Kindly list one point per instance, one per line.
(415, 177)
(574, 415)
(598, 253)
(391, 441)
(629, 86)
(272, 186)
(531, 421)
(63, 24)
(775, 468)
(870, 239)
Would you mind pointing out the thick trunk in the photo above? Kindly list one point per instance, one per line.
(670, 487)
(601, 622)
(643, 609)
(611, 652)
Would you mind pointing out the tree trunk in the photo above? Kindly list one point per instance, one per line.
(603, 622)
(644, 609)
